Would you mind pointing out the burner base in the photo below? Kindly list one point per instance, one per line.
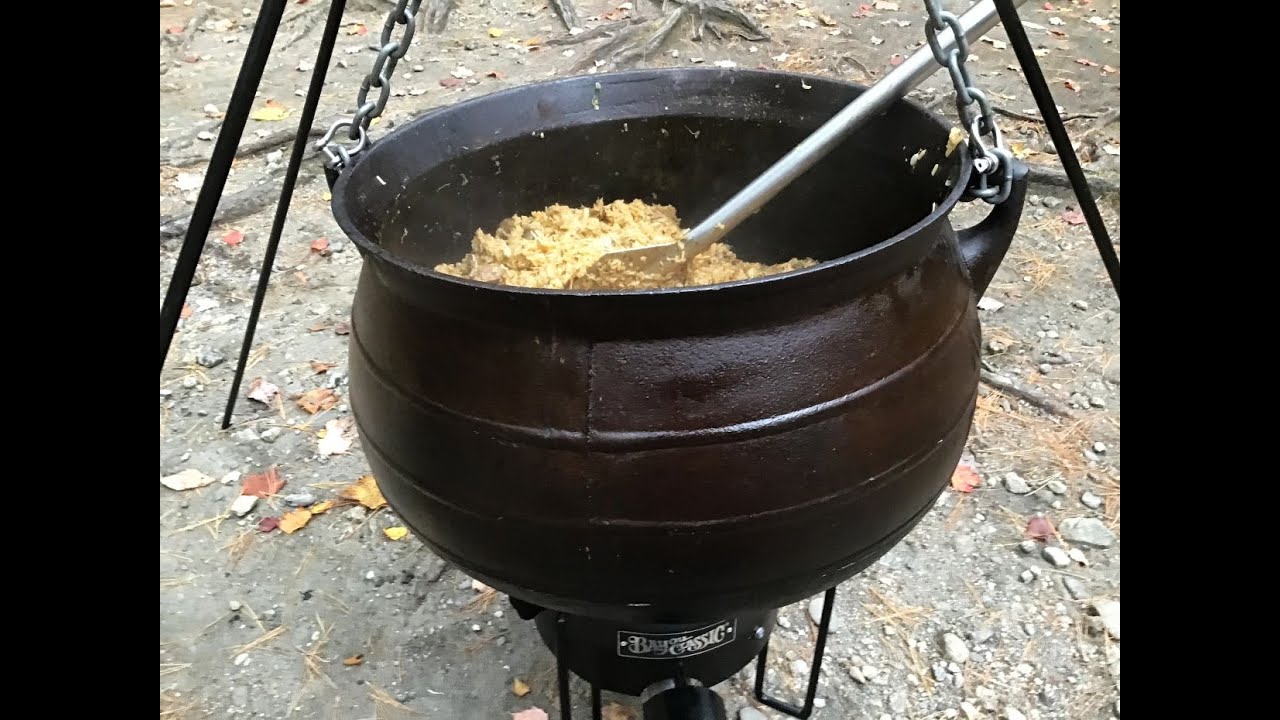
(628, 658)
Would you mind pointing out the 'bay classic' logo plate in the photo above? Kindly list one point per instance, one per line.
(651, 646)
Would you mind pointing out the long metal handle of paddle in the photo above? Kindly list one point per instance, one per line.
(879, 97)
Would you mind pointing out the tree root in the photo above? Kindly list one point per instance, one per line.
(635, 42)
(1043, 402)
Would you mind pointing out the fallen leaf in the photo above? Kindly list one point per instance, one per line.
(233, 238)
(1107, 70)
(495, 33)
(272, 111)
(357, 29)
(826, 20)
(533, 41)
(188, 479)
(263, 484)
(614, 711)
(321, 507)
(615, 14)
(186, 311)
(364, 491)
(532, 713)
(396, 533)
(341, 328)
(1057, 33)
(318, 400)
(1048, 6)
(320, 245)
(268, 524)
(1086, 62)
(333, 440)
(262, 391)
(496, 74)
(176, 29)
(295, 520)
(1073, 217)
(519, 687)
(1039, 528)
(897, 59)
(1072, 86)
(450, 82)
(965, 479)
(479, 586)
(864, 10)
(321, 368)
(353, 660)
(1111, 150)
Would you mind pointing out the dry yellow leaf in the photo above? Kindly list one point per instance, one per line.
(519, 687)
(327, 196)
(271, 112)
(353, 660)
(495, 33)
(614, 711)
(395, 533)
(364, 491)
(291, 522)
(322, 506)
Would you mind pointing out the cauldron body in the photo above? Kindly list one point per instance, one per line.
(667, 455)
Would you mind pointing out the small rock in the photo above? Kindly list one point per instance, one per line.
(1091, 501)
(815, 609)
(1013, 714)
(1090, 532)
(235, 605)
(784, 622)
(857, 675)
(189, 382)
(209, 358)
(954, 649)
(1109, 611)
(1045, 368)
(233, 476)
(271, 434)
(1028, 546)
(750, 713)
(243, 505)
(1080, 304)
(1027, 576)
(370, 575)
(989, 303)
(1051, 202)
(970, 712)
(1057, 487)
(995, 346)
(188, 479)
(300, 499)
(358, 514)
(799, 668)
(1117, 707)
(1014, 483)
(819, 702)
(1075, 588)
(1098, 402)
(1056, 556)
(1077, 555)
(940, 673)
(1100, 448)
(898, 702)
(475, 627)
(242, 659)
(245, 435)
(982, 635)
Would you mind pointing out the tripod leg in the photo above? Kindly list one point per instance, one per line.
(1061, 141)
(215, 178)
(318, 73)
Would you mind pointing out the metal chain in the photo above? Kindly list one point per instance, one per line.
(379, 77)
(993, 162)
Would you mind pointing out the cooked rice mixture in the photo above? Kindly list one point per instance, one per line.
(557, 247)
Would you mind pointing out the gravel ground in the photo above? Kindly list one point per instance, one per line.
(968, 617)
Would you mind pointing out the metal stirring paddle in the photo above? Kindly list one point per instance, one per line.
(870, 104)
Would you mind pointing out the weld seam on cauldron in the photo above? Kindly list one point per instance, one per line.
(870, 484)
(637, 440)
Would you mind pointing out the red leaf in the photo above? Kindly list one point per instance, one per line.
(320, 245)
(233, 238)
(1072, 86)
(897, 59)
(175, 29)
(267, 524)
(362, 30)
(1086, 62)
(1073, 217)
(1048, 6)
(262, 484)
(964, 479)
(186, 311)
(1039, 528)
(341, 328)
(450, 82)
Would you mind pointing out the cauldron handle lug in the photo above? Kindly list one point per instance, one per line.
(983, 246)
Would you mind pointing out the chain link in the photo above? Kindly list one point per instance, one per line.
(991, 159)
(379, 78)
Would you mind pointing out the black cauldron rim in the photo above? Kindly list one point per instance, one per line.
(867, 256)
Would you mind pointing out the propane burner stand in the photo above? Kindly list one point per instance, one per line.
(670, 667)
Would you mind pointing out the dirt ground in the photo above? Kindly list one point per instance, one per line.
(339, 620)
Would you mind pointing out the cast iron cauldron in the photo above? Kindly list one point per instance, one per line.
(677, 454)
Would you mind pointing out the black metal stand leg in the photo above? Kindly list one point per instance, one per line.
(215, 178)
(562, 672)
(1058, 133)
(318, 73)
(819, 649)
(597, 712)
